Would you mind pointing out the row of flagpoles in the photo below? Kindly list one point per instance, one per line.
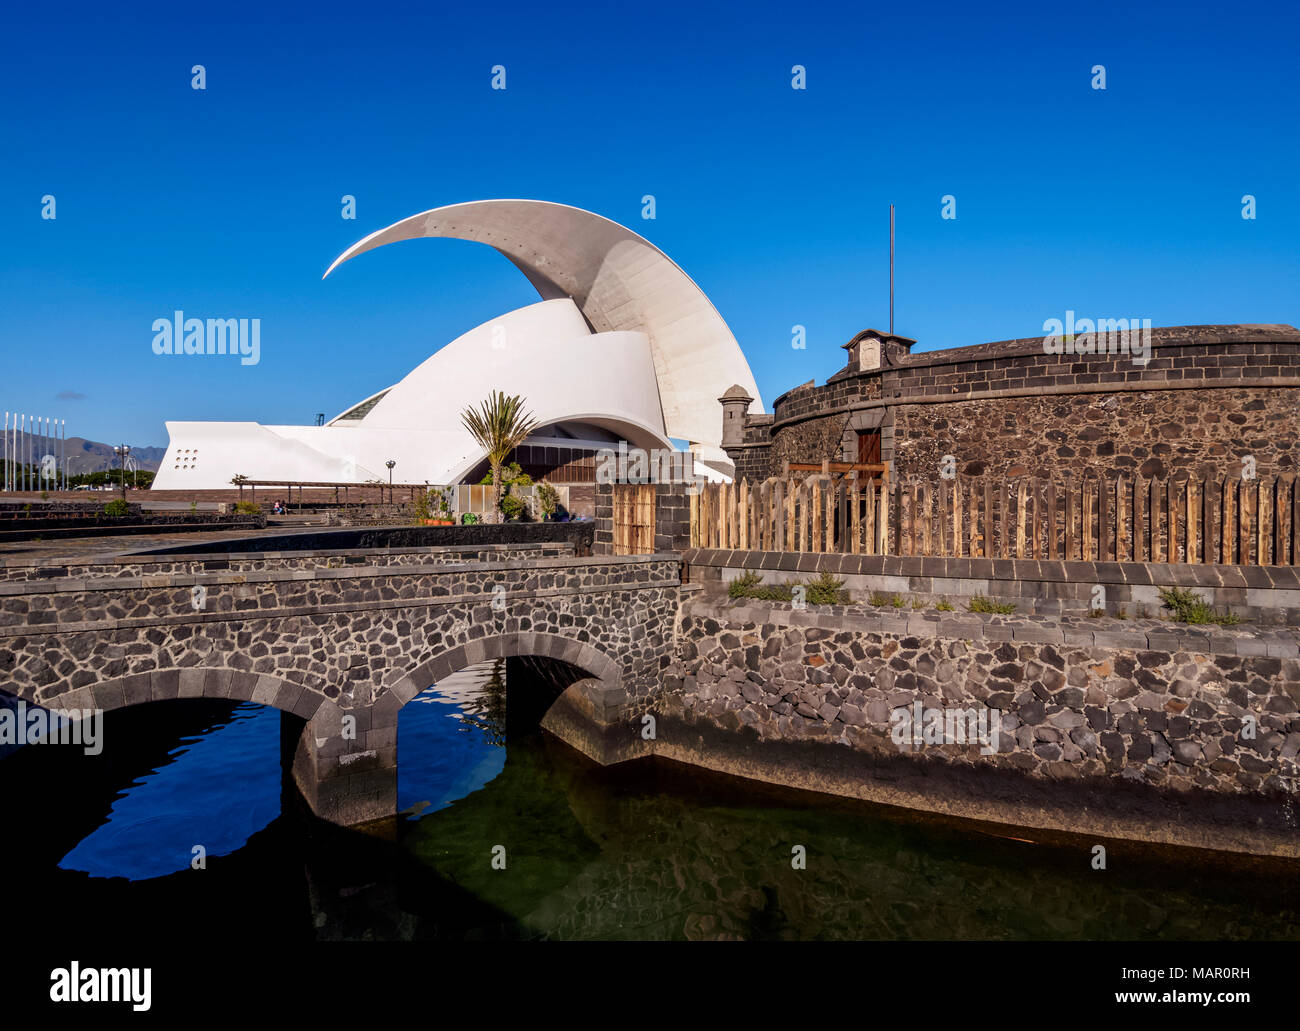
(35, 453)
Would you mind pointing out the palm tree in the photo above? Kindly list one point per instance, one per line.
(499, 426)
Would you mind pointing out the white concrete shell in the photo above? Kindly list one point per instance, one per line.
(619, 281)
(416, 422)
(623, 346)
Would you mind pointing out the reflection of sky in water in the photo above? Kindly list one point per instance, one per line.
(445, 757)
(219, 789)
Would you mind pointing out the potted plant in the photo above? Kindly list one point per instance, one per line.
(437, 508)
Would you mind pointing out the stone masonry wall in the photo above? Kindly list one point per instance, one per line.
(346, 635)
(1201, 433)
(1258, 594)
(1168, 722)
(1209, 395)
(145, 565)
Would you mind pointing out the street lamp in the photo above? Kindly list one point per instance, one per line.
(122, 450)
(390, 463)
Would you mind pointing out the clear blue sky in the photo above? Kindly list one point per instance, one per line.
(226, 202)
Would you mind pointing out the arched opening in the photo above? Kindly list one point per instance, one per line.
(141, 791)
(456, 736)
(172, 816)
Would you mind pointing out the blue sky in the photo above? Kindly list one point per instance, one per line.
(226, 202)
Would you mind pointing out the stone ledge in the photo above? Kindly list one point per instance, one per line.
(98, 586)
(253, 615)
(1075, 631)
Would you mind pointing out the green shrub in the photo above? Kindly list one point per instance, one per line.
(826, 590)
(1186, 605)
(979, 603)
(248, 508)
(511, 476)
(468, 519)
(750, 585)
(1189, 607)
(548, 498)
(744, 585)
(944, 605)
(117, 509)
(512, 506)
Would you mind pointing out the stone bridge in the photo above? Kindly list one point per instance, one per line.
(341, 644)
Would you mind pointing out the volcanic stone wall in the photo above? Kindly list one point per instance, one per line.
(753, 457)
(1173, 743)
(1208, 396)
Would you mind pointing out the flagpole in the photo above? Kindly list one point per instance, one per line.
(891, 270)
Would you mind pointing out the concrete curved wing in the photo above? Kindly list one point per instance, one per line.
(619, 281)
(417, 421)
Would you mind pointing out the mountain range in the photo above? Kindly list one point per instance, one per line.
(87, 456)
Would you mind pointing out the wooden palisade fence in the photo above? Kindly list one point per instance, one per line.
(1099, 519)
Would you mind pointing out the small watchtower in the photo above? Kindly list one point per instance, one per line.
(735, 409)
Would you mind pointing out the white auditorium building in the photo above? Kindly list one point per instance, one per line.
(623, 346)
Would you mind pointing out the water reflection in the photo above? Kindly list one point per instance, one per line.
(451, 738)
(644, 850)
(158, 818)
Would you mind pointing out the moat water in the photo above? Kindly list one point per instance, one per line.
(513, 835)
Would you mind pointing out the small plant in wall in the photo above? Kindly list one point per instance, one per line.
(826, 590)
(1189, 607)
(821, 590)
(987, 606)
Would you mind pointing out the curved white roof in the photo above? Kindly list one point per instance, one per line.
(619, 281)
(416, 422)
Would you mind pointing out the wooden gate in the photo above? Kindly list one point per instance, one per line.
(634, 518)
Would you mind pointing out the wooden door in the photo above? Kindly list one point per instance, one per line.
(868, 447)
(634, 518)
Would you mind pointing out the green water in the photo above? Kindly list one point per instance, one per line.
(642, 850)
(659, 851)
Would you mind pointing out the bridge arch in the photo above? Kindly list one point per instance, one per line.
(604, 673)
(205, 682)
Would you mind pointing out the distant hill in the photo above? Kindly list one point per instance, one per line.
(90, 456)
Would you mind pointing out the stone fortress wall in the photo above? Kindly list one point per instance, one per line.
(1207, 397)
